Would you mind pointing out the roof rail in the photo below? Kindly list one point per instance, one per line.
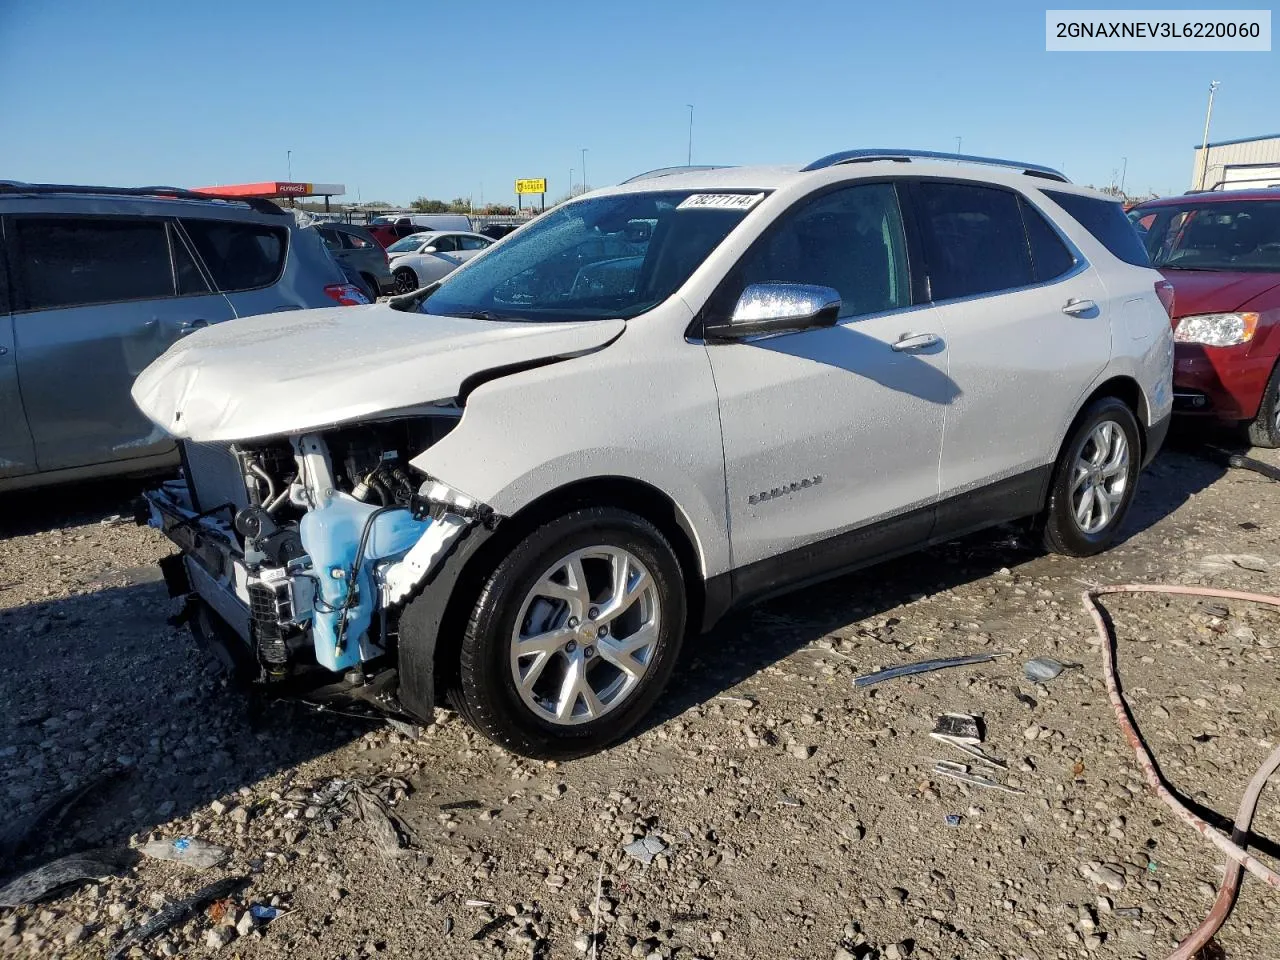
(181, 193)
(905, 156)
(670, 171)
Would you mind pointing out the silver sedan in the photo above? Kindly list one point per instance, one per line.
(423, 258)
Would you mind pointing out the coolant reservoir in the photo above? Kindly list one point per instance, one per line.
(331, 536)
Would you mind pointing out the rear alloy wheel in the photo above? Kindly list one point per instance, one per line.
(406, 280)
(1264, 429)
(573, 636)
(1094, 480)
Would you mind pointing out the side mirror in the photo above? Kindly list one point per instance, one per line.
(778, 308)
(428, 249)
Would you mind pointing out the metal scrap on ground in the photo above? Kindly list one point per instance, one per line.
(34, 885)
(177, 912)
(925, 666)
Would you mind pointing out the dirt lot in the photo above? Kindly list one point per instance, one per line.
(798, 817)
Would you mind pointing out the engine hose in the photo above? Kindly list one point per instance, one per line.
(1238, 858)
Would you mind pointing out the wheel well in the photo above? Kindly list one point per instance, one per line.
(1127, 391)
(622, 492)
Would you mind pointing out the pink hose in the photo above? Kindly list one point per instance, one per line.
(1238, 859)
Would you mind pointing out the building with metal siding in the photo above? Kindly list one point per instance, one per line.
(1232, 164)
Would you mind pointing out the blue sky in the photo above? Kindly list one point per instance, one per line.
(398, 100)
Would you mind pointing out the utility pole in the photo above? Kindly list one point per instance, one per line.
(958, 140)
(571, 183)
(289, 163)
(1204, 144)
(584, 169)
(1124, 170)
(689, 161)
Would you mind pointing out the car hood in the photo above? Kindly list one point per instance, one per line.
(280, 374)
(1215, 291)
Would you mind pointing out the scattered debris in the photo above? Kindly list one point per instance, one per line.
(959, 727)
(387, 833)
(493, 926)
(953, 819)
(1227, 562)
(1129, 913)
(410, 730)
(925, 666)
(1241, 462)
(178, 912)
(645, 849)
(264, 912)
(787, 800)
(479, 903)
(1044, 669)
(44, 881)
(462, 805)
(961, 773)
(969, 750)
(191, 851)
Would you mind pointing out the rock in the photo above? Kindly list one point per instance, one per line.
(802, 751)
(75, 934)
(246, 924)
(218, 937)
(218, 808)
(582, 943)
(239, 815)
(1104, 875)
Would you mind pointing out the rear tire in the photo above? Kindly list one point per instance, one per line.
(1094, 480)
(406, 280)
(597, 654)
(372, 285)
(1264, 429)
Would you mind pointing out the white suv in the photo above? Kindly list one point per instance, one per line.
(521, 486)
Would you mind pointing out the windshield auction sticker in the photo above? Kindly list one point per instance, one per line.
(1157, 30)
(720, 201)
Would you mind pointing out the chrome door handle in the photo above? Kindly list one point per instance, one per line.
(187, 326)
(1074, 307)
(914, 341)
(3, 351)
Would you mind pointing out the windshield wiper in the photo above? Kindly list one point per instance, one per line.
(481, 315)
(1177, 266)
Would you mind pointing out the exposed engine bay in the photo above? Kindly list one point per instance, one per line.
(308, 547)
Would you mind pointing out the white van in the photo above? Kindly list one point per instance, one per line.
(438, 221)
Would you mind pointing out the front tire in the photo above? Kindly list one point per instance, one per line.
(1094, 480)
(1264, 429)
(573, 636)
(406, 280)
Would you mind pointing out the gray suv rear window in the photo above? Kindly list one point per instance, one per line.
(67, 262)
(240, 256)
(1104, 219)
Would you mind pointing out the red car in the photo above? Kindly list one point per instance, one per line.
(1221, 253)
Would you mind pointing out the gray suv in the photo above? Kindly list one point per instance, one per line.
(96, 282)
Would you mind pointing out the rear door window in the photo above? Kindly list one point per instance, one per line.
(472, 243)
(1050, 257)
(332, 238)
(445, 244)
(240, 256)
(185, 271)
(68, 261)
(354, 241)
(974, 240)
(1106, 221)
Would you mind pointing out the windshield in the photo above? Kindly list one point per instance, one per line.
(1242, 236)
(607, 257)
(411, 242)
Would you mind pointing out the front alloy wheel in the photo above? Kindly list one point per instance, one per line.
(573, 635)
(585, 635)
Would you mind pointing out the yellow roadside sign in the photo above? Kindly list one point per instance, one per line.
(538, 185)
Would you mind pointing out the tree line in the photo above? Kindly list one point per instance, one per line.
(460, 205)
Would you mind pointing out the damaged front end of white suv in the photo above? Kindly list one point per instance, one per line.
(305, 519)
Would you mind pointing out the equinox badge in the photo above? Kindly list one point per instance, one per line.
(791, 487)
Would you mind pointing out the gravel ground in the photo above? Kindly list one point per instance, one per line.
(787, 815)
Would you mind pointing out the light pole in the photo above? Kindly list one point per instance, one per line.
(289, 163)
(1124, 170)
(584, 169)
(689, 161)
(1204, 145)
(571, 183)
(958, 139)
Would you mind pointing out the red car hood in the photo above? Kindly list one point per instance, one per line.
(1215, 291)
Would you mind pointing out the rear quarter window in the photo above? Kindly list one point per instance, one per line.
(69, 262)
(240, 256)
(1106, 222)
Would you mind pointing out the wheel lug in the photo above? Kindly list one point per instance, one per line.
(573, 621)
(592, 613)
(588, 652)
(570, 646)
(603, 631)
